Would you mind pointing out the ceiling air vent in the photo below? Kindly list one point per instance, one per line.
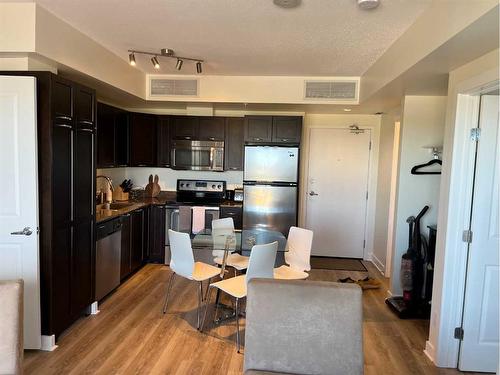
(173, 87)
(331, 90)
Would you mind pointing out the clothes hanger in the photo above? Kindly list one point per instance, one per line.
(435, 152)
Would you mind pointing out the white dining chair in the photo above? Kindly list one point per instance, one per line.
(234, 260)
(182, 263)
(297, 255)
(260, 265)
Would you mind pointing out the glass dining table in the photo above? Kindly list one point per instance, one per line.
(227, 241)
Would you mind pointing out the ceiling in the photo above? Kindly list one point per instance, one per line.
(245, 37)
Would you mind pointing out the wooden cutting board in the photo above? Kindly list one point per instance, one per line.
(152, 188)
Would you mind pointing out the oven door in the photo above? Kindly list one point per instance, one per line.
(198, 155)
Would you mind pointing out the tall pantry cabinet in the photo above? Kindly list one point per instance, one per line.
(66, 169)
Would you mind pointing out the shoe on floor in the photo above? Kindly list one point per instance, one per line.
(369, 283)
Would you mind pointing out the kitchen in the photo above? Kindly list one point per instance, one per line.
(213, 147)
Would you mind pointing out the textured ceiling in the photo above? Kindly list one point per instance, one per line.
(245, 37)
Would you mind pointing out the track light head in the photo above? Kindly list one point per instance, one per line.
(155, 62)
(131, 59)
(167, 52)
(198, 67)
(178, 66)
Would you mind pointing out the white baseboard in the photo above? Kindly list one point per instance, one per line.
(429, 351)
(93, 309)
(368, 256)
(378, 264)
(48, 343)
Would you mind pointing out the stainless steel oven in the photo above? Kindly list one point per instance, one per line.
(198, 155)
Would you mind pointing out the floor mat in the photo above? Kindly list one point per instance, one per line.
(344, 264)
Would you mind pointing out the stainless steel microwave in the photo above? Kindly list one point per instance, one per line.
(198, 155)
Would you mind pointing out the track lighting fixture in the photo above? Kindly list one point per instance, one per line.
(178, 66)
(155, 62)
(131, 59)
(165, 52)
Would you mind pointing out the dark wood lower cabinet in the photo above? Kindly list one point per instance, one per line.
(157, 234)
(125, 249)
(136, 239)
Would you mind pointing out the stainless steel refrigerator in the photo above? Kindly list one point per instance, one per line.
(270, 185)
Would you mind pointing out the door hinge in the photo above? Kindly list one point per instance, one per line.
(370, 145)
(366, 195)
(475, 134)
(459, 333)
(364, 244)
(467, 236)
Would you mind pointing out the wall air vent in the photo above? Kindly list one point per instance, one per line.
(341, 90)
(173, 87)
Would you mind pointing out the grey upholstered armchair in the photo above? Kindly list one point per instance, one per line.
(303, 327)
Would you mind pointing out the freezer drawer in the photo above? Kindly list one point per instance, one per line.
(270, 207)
(271, 164)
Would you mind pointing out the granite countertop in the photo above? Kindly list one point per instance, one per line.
(166, 198)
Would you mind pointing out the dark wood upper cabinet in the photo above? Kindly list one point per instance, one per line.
(233, 146)
(142, 140)
(258, 129)
(273, 129)
(122, 139)
(184, 127)
(85, 107)
(287, 129)
(62, 99)
(211, 129)
(105, 136)
(163, 144)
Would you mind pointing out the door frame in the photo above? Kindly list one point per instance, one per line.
(371, 123)
(454, 217)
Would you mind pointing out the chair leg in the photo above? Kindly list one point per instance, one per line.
(208, 287)
(237, 324)
(200, 298)
(169, 288)
(235, 272)
(207, 301)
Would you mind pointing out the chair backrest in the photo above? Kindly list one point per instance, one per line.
(11, 327)
(261, 262)
(223, 226)
(182, 261)
(312, 327)
(298, 246)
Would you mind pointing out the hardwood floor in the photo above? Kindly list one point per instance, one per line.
(131, 335)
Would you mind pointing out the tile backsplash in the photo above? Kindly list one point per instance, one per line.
(168, 177)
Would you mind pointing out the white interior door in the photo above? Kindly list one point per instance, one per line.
(337, 191)
(479, 348)
(19, 196)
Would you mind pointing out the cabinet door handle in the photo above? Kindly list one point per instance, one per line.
(212, 138)
(187, 137)
(64, 126)
(284, 139)
(257, 139)
(64, 118)
(85, 122)
(86, 130)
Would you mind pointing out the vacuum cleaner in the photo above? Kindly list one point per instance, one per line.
(414, 275)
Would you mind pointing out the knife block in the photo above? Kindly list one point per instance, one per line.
(119, 194)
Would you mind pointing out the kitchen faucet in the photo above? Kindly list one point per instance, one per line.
(110, 183)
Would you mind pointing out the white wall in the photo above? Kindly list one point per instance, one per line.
(447, 292)
(168, 177)
(423, 120)
(385, 159)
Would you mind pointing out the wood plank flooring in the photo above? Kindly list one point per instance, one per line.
(131, 335)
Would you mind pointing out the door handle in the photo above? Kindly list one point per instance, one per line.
(312, 193)
(25, 232)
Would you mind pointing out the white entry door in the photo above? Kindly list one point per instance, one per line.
(19, 197)
(479, 348)
(337, 191)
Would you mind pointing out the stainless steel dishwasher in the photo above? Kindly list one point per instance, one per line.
(108, 257)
